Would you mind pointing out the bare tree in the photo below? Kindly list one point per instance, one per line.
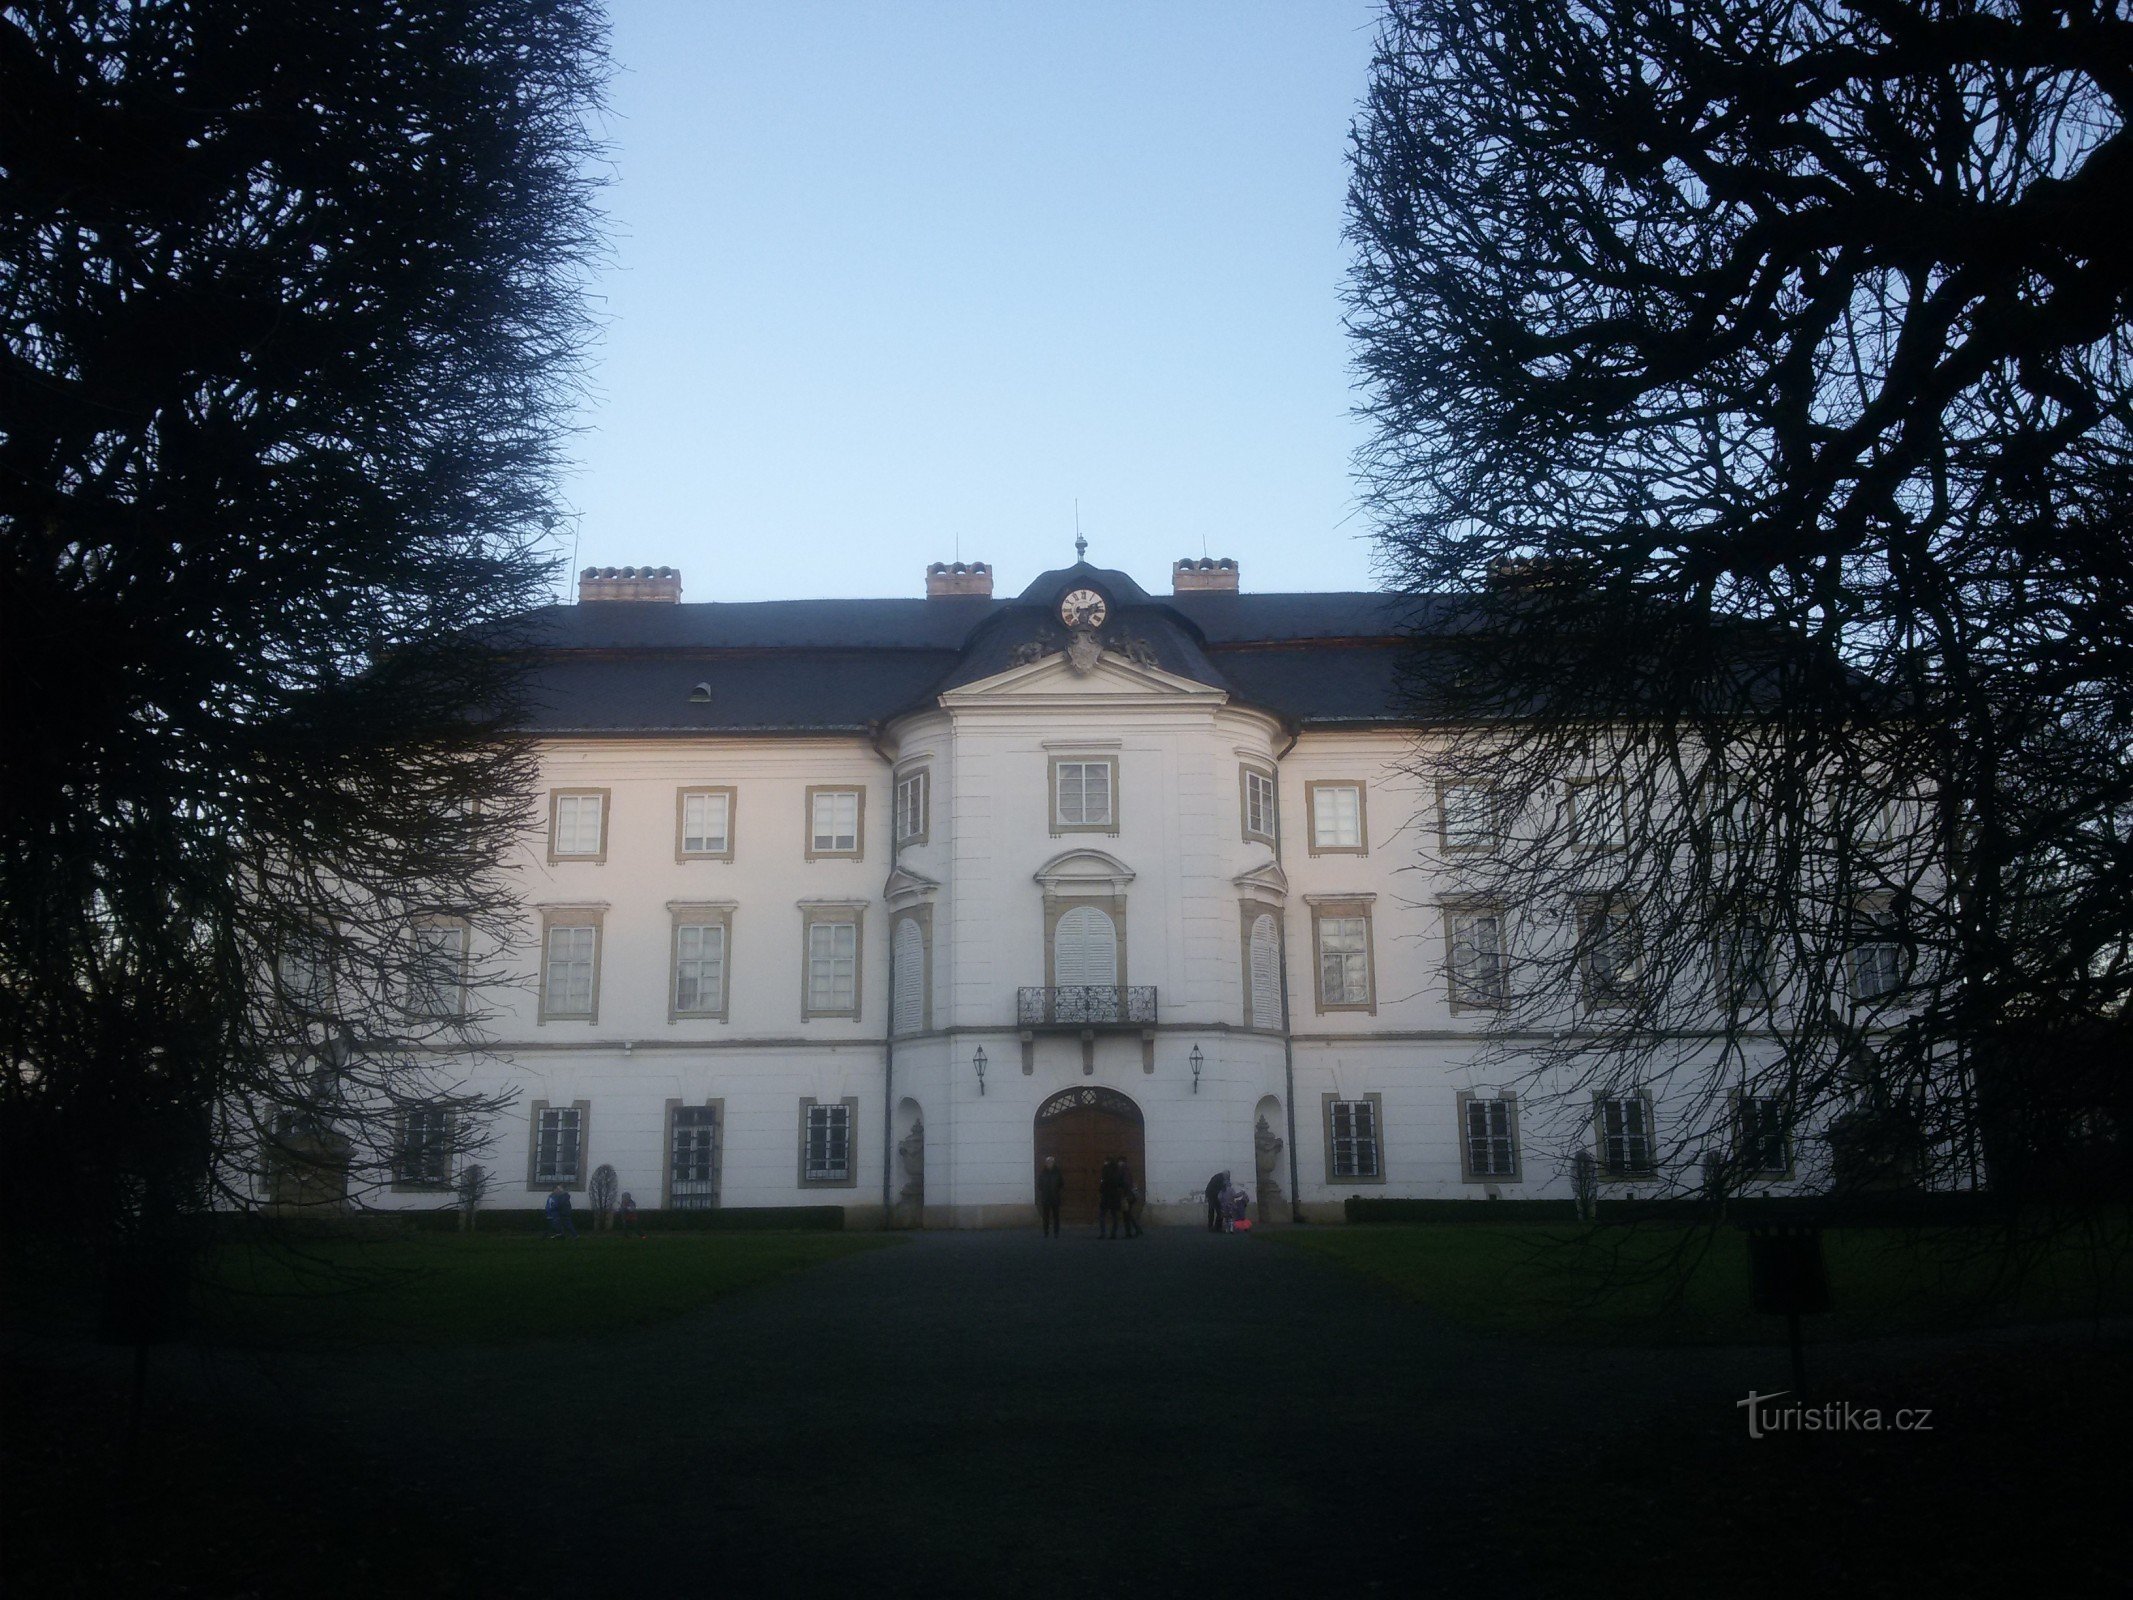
(291, 316)
(1752, 378)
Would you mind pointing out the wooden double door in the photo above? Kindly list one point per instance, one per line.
(1085, 1128)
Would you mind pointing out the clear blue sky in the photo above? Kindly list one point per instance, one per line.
(891, 278)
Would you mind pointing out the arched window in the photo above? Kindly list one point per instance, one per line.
(1085, 948)
(1266, 973)
(909, 956)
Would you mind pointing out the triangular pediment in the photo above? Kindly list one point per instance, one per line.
(1267, 881)
(1052, 678)
(904, 886)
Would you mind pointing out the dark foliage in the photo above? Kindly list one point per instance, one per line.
(1761, 372)
(291, 312)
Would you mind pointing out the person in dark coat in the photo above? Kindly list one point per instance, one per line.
(1129, 1199)
(1215, 1186)
(560, 1225)
(1110, 1198)
(1051, 1189)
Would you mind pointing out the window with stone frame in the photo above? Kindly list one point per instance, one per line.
(1622, 1132)
(1479, 970)
(1259, 798)
(570, 969)
(1085, 794)
(830, 976)
(913, 803)
(826, 1142)
(558, 1146)
(423, 1148)
(833, 822)
(577, 825)
(1876, 958)
(1599, 814)
(1338, 823)
(1354, 1148)
(1607, 951)
(1488, 1128)
(1340, 931)
(1765, 1135)
(437, 969)
(1469, 817)
(704, 825)
(700, 963)
(693, 1157)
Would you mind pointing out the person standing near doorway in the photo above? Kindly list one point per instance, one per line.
(1215, 1186)
(1110, 1198)
(1129, 1199)
(1051, 1190)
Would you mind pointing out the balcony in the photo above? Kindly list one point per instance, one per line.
(1086, 1005)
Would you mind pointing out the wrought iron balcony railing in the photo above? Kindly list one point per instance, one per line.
(1087, 1005)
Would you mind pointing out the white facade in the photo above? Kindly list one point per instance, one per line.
(1076, 809)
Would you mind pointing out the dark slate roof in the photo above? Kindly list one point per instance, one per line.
(841, 666)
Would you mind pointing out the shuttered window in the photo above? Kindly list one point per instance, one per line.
(1266, 972)
(909, 955)
(1085, 948)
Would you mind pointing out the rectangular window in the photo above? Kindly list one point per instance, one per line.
(576, 825)
(1624, 1125)
(1336, 817)
(699, 969)
(558, 1146)
(1765, 1146)
(569, 971)
(1607, 953)
(1083, 794)
(1744, 963)
(826, 1142)
(1490, 1128)
(423, 1157)
(1352, 1150)
(1260, 817)
(832, 822)
(301, 974)
(1470, 817)
(1478, 968)
(437, 969)
(911, 806)
(1344, 961)
(706, 825)
(692, 1171)
(1599, 818)
(1876, 960)
(832, 968)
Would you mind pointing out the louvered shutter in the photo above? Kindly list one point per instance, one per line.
(1266, 974)
(910, 958)
(1085, 948)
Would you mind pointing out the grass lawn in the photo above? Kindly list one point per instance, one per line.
(449, 1289)
(1673, 1284)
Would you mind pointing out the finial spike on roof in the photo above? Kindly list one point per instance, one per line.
(1081, 548)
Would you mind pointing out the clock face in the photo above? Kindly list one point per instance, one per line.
(1084, 608)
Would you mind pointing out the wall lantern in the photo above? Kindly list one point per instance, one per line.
(1197, 1061)
(978, 1061)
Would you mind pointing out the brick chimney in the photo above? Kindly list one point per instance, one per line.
(629, 583)
(1209, 572)
(958, 577)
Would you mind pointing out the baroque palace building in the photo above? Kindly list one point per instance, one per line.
(876, 903)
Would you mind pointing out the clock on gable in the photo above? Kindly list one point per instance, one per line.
(1083, 608)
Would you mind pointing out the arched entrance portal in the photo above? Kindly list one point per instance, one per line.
(1085, 1128)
